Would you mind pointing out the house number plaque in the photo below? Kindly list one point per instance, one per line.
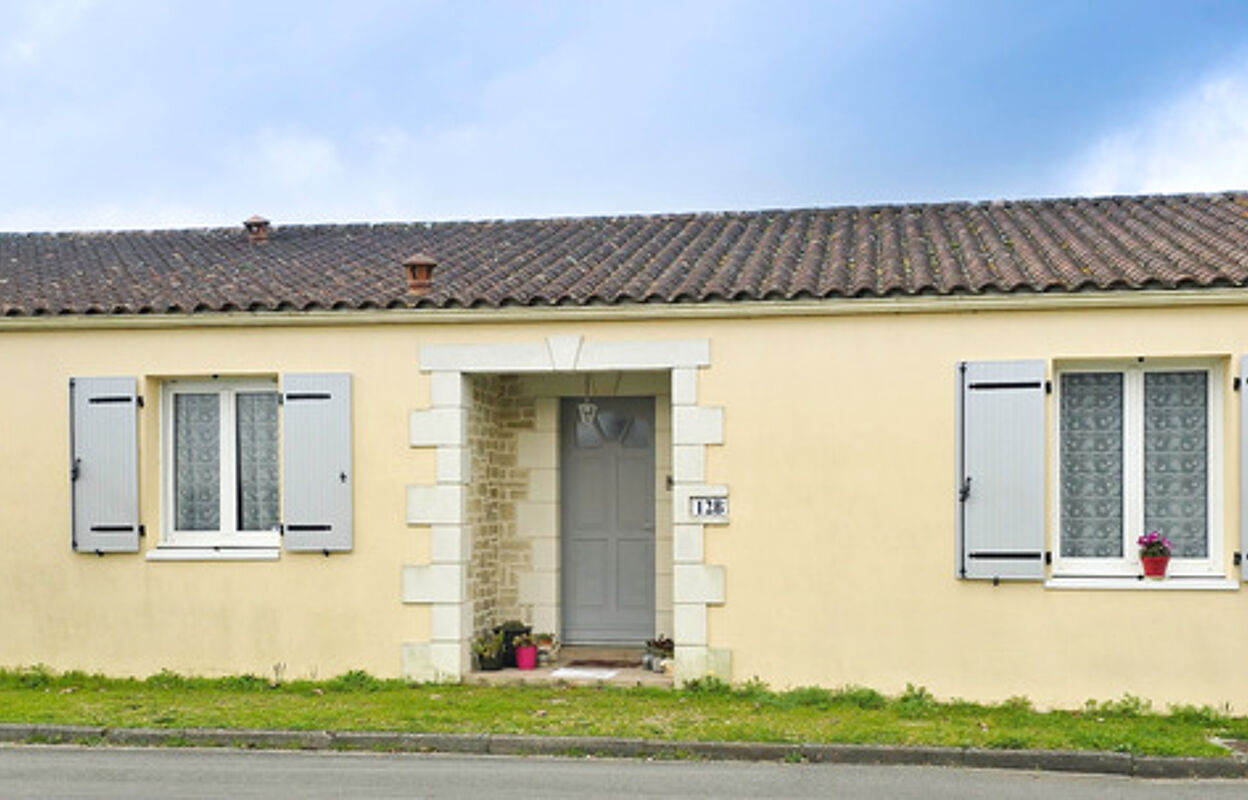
(708, 508)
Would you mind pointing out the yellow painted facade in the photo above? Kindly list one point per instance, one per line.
(839, 457)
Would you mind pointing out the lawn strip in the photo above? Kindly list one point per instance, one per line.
(714, 713)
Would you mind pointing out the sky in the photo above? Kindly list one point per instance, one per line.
(143, 114)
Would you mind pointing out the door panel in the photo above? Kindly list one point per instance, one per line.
(634, 478)
(634, 571)
(587, 508)
(587, 571)
(607, 482)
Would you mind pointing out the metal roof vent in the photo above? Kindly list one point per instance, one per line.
(419, 268)
(257, 228)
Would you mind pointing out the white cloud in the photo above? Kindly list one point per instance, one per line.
(1197, 142)
(295, 161)
(42, 25)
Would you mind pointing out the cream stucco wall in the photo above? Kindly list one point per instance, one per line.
(839, 451)
(838, 454)
(122, 614)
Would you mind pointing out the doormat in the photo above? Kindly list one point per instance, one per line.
(584, 674)
(612, 663)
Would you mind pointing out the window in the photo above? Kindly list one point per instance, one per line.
(221, 457)
(1137, 451)
(241, 466)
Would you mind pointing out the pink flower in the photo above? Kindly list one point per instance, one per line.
(1153, 544)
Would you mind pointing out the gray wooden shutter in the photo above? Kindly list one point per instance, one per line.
(316, 462)
(104, 464)
(1243, 468)
(1000, 481)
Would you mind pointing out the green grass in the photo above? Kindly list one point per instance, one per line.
(706, 710)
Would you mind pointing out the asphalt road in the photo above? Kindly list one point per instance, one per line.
(104, 772)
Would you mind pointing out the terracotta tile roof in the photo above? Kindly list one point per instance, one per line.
(1075, 245)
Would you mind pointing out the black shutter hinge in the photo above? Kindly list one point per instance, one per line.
(1235, 384)
(1239, 558)
(281, 529)
(74, 468)
(1048, 387)
(965, 490)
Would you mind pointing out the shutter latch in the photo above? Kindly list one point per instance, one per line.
(73, 469)
(965, 491)
(1239, 558)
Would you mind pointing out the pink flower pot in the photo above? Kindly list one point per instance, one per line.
(526, 657)
(1154, 566)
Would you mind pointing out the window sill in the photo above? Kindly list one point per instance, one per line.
(1211, 583)
(213, 554)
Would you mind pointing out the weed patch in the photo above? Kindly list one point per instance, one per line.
(915, 701)
(357, 680)
(860, 697)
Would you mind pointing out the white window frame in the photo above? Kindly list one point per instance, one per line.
(1128, 566)
(229, 535)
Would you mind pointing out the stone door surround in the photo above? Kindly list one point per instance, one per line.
(443, 584)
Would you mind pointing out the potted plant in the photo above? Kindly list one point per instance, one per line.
(510, 630)
(547, 646)
(658, 650)
(526, 651)
(1154, 554)
(488, 647)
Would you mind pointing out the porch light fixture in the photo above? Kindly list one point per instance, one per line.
(587, 412)
(587, 429)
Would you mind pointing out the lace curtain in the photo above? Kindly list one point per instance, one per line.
(258, 475)
(197, 461)
(1176, 460)
(1091, 464)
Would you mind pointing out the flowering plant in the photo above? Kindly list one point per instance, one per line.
(1153, 545)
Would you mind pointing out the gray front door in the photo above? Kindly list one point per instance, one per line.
(608, 519)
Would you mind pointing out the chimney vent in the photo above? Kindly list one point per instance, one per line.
(257, 228)
(419, 268)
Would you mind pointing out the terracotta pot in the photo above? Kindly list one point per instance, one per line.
(1155, 566)
(526, 657)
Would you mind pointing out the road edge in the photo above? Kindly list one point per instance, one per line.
(1091, 762)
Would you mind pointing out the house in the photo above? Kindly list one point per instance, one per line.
(878, 445)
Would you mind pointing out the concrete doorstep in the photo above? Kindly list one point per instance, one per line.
(503, 744)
